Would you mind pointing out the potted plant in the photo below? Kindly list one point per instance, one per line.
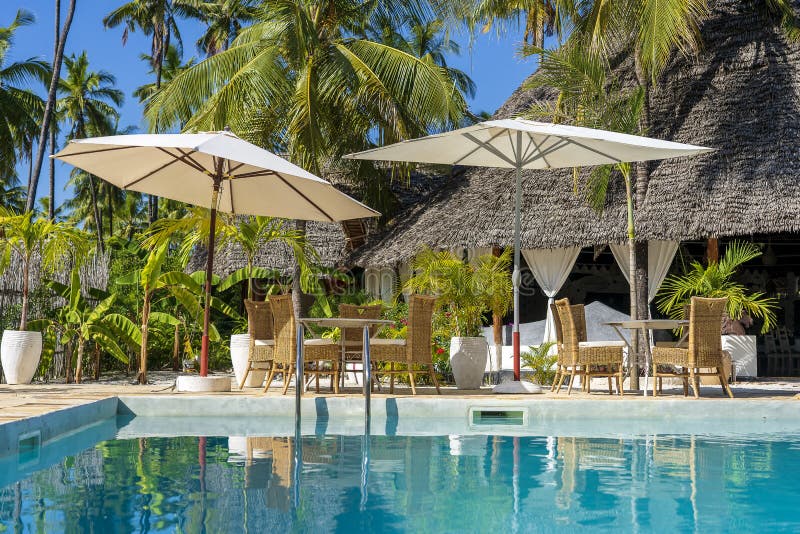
(717, 280)
(466, 292)
(28, 240)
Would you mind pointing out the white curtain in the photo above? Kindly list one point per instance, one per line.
(659, 258)
(551, 267)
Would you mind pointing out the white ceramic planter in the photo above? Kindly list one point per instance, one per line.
(468, 360)
(20, 352)
(743, 353)
(240, 348)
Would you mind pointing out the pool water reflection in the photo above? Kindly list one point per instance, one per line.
(478, 483)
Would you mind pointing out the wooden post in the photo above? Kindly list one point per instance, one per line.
(712, 250)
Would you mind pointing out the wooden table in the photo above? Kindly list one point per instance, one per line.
(645, 325)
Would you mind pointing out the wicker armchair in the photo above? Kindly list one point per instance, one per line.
(353, 338)
(703, 356)
(414, 350)
(319, 353)
(259, 327)
(586, 358)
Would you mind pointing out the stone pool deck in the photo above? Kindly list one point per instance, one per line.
(22, 402)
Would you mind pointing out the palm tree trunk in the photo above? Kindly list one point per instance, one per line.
(79, 363)
(96, 361)
(67, 362)
(51, 213)
(298, 301)
(51, 209)
(157, 53)
(109, 200)
(49, 107)
(176, 350)
(639, 273)
(26, 275)
(143, 353)
(98, 220)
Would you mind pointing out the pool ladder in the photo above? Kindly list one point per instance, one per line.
(299, 379)
(299, 383)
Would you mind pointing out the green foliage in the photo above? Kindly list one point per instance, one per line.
(20, 106)
(466, 291)
(81, 321)
(540, 362)
(717, 280)
(28, 237)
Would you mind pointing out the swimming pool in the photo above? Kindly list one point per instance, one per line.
(106, 479)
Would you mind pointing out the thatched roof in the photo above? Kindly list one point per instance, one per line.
(741, 96)
(328, 239)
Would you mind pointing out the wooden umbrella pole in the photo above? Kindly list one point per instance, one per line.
(209, 269)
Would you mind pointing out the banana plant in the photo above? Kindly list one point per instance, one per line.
(187, 299)
(80, 321)
(176, 290)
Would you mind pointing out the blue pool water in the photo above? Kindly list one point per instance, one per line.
(476, 483)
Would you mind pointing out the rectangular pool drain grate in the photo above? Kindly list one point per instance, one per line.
(498, 416)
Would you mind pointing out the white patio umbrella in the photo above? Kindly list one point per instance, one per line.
(215, 170)
(523, 144)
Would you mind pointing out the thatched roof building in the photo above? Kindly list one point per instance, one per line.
(741, 95)
(328, 239)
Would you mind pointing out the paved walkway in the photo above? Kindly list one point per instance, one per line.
(18, 402)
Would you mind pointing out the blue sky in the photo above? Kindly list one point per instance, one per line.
(492, 62)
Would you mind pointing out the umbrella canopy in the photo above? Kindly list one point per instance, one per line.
(216, 170)
(523, 144)
(183, 167)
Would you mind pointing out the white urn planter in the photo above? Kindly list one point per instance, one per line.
(240, 350)
(19, 353)
(468, 360)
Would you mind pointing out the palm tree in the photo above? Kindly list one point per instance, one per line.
(20, 108)
(224, 20)
(542, 18)
(304, 80)
(88, 104)
(158, 20)
(50, 104)
(173, 65)
(590, 96)
(716, 280)
(301, 80)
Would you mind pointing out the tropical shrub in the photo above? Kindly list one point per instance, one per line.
(717, 280)
(466, 291)
(540, 362)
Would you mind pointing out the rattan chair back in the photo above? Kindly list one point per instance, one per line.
(573, 329)
(354, 336)
(420, 329)
(259, 319)
(285, 329)
(705, 331)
